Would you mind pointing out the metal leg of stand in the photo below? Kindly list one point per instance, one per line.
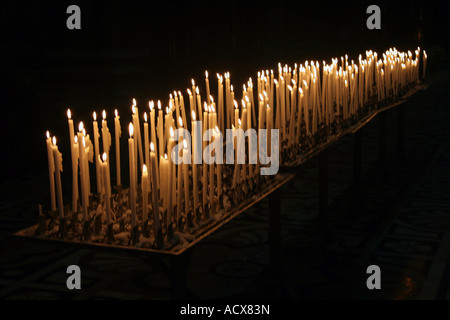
(275, 231)
(401, 132)
(357, 155)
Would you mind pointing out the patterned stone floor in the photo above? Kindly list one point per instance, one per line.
(402, 225)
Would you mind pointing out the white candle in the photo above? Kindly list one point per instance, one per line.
(171, 178)
(106, 145)
(154, 189)
(196, 131)
(118, 133)
(98, 172)
(137, 129)
(146, 147)
(207, 87)
(153, 134)
(51, 172)
(132, 163)
(82, 152)
(186, 187)
(74, 156)
(105, 170)
(199, 103)
(164, 183)
(57, 157)
(144, 193)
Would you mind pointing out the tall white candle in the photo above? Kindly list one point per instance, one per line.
(57, 157)
(144, 193)
(154, 189)
(74, 156)
(105, 170)
(132, 164)
(186, 187)
(118, 133)
(51, 172)
(98, 172)
(146, 147)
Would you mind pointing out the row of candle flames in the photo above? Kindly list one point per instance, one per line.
(301, 102)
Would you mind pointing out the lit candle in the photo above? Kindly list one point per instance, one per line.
(98, 172)
(105, 170)
(153, 133)
(164, 188)
(160, 130)
(199, 103)
(57, 157)
(144, 193)
(132, 160)
(118, 133)
(154, 189)
(51, 172)
(146, 145)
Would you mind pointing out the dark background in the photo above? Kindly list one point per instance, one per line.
(147, 49)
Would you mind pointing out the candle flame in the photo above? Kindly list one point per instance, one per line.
(104, 115)
(180, 121)
(104, 157)
(167, 110)
(235, 104)
(184, 144)
(245, 89)
(239, 121)
(145, 116)
(179, 93)
(197, 91)
(217, 129)
(174, 93)
(205, 106)
(231, 88)
(69, 114)
(75, 139)
(206, 74)
(213, 109)
(261, 97)
(275, 81)
(94, 115)
(171, 132)
(165, 156)
(152, 147)
(131, 129)
(301, 91)
(84, 142)
(189, 92)
(159, 104)
(54, 140)
(80, 126)
(134, 102)
(144, 169)
(268, 107)
(133, 109)
(193, 82)
(246, 99)
(116, 113)
(193, 115)
(243, 103)
(47, 134)
(84, 132)
(211, 98)
(151, 105)
(265, 94)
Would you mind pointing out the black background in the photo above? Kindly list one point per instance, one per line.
(147, 49)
